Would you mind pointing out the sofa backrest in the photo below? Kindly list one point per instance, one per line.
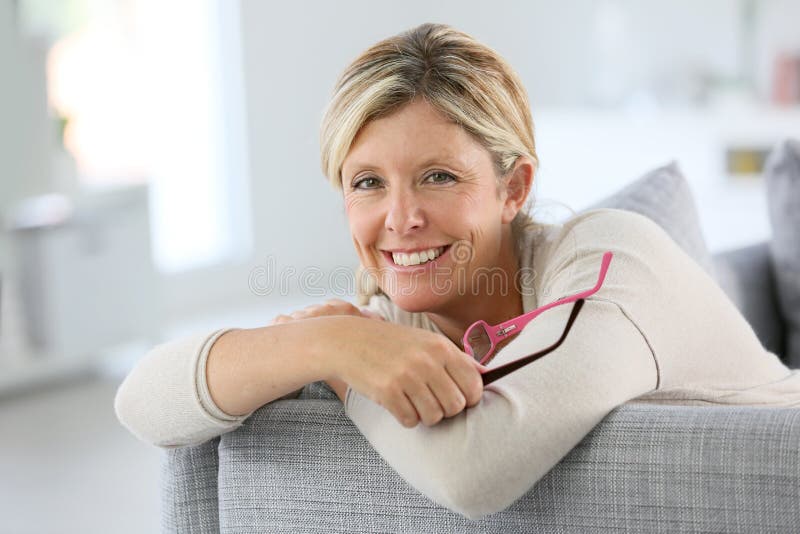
(189, 489)
(302, 466)
(747, 277)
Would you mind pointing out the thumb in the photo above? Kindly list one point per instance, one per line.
(372, 315)
(481, 368)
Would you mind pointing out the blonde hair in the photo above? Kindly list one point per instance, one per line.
(467, 81)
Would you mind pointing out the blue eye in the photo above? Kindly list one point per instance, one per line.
(448, 177)
(372, 182)
(357, 185)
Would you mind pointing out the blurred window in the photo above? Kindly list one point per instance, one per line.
(151, 91)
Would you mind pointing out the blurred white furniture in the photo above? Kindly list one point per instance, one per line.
(85, 281)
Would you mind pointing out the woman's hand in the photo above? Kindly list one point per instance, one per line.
(329, 307)
(417, 375)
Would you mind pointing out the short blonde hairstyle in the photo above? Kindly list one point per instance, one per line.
(465, 80)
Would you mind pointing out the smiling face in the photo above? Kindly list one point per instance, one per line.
(415, 181)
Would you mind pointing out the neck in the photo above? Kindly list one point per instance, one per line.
(484, 301)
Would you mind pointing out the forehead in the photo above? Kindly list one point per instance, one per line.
(416, 135)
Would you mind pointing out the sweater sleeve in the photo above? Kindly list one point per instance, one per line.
(165, 399)
(482, 460)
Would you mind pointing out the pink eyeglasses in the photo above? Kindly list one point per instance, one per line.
(481, 339)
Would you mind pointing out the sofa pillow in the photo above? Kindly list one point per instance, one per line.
(782, 176)
(664, 196)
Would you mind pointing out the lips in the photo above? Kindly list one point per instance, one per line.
(426, 265)
(415, 249)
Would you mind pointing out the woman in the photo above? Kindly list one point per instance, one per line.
(429, 138)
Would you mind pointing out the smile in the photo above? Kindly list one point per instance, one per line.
(418, 258)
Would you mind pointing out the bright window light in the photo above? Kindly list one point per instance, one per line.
(152, 92)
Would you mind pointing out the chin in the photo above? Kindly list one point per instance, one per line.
(417, 302)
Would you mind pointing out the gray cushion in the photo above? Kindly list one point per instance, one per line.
(664, 196)
(745, 274)
(782, 174)
(302, 466)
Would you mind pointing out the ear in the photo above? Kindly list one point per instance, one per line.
(519, 181)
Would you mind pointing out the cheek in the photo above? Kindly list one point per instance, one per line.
(471, 211)
(363, 225)
(481, 218)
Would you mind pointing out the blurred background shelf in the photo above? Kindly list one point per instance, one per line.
(36, 371)
(27, 371)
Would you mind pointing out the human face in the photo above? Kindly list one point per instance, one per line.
(415, 181)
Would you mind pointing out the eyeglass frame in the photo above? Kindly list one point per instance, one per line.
(490, 375)
(500, 332)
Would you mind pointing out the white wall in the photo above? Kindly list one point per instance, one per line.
(570, 55)
(294, 53)
(25, 128)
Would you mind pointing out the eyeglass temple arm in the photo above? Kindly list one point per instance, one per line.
(522, 320)
(497, 372)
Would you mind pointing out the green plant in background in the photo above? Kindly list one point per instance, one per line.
(60, 125)
(54, 18)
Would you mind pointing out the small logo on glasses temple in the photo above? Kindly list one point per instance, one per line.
(506, 330)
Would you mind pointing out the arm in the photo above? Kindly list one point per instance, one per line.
(415, 374)
(191, 390)
(335, 307)
(166, 400)
(339, 387)
(249, 368)
(483, 459)
(393, 364)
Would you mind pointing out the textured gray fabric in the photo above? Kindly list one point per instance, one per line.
(782, 174)
(745, 274)
(664, 196)
(302, 466)
(189, 489)
(188, 482)
(318, 390)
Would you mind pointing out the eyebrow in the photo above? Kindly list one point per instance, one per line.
(359, 166)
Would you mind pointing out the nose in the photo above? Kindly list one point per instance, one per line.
(405, 213)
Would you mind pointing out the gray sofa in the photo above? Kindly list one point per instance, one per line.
(301, 465)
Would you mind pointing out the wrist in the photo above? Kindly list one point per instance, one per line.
(328, 345)
(339, 387)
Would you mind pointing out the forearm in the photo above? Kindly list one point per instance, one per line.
(249, 368)
(486, 457)
(339, 387)
(161, 400)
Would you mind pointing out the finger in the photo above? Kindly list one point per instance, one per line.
(447, 392)
(400, 406)
(425, 402)
(337, 302)
(465, 372)
(329, 307)
(480, 367)
(310, 309)
(342, 307)
(372, 315)
(281, 319)
(403, 410)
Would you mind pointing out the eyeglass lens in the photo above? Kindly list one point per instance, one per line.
(479, 341)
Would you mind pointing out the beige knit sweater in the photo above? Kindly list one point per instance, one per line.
(659, 330)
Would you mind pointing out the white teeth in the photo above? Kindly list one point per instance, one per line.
(416, 258)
